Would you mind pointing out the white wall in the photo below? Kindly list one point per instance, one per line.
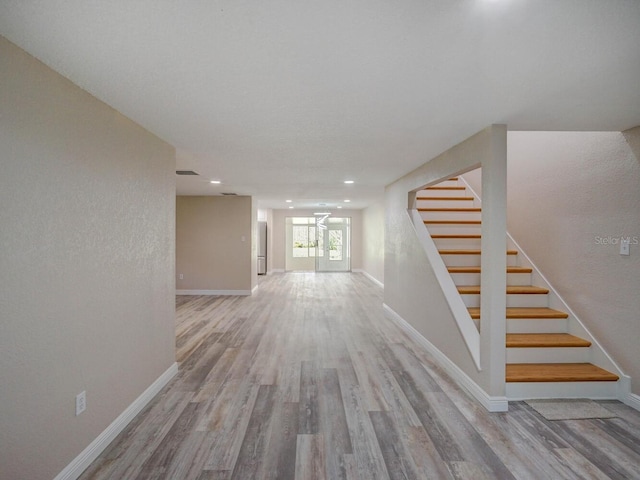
(278, 239)
(367, 238)
(87, 233)
(373, 240)
(568, 194)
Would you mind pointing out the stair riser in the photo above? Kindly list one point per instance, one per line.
(442, 193)
(513, 300)
(474, 278)
(448, 183)
(451, 216)
(537, 325)
(548, 355)
(453, 229)
(530, 390)
(457, 243)
(470, 260)
(444, 203)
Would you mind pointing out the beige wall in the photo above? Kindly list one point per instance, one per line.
(569, 194)
(87, 235)
(254, 244)
(215, 247)
(373, 240)
(412, 289)
(278, 239)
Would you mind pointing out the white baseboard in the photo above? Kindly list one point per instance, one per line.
(254, 289)
(492, 404)
(213, 292)
(95, 448)
(276, 270)
(632, 400)
(369, 276)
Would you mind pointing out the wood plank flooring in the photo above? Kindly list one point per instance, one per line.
(306, 379)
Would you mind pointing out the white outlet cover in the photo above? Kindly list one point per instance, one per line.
(624, 246)
(81, 402)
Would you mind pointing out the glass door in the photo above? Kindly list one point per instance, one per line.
(333, 253)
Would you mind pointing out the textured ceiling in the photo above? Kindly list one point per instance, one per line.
(286, 99)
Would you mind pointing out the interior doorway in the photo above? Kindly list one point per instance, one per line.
(321, 243)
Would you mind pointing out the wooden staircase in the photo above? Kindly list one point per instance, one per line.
(540, 350)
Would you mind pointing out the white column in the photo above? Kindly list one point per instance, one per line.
(494, 263)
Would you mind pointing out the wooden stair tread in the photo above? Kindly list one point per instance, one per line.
(524, 312)
(452, 209)
(475, 235)
(452, 222)
(557, 372)
(511, 290)
(540, 340)
(469, 252)
(478, 269)
(444, 198)
(445, 188)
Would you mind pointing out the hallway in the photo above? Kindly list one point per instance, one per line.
(307, 379)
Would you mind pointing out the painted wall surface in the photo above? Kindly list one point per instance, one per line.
(270, 240)
(411, 287)
(87, 233)
(215, 243)
(278, 238)
(572, 196)
(373, 240)
(254, 244)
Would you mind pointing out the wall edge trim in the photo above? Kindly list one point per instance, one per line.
(79, 464)
(213, 292)
(625, 395)
(369, 276)
(492, 404)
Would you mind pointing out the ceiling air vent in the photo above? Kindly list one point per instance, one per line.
(185, 172)
(223, 193)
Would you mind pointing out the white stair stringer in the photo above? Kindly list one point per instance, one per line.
(466, 325)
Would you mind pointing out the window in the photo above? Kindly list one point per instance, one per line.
(304, 237)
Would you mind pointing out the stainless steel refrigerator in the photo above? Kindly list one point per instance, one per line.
(262, 248)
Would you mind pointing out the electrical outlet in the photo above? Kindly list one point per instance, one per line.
(624, 246)
(181, 276)
(81, 402)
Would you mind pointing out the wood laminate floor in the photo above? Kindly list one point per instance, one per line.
(307, 380)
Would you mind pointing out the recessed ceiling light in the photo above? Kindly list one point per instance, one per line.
(291, 206)
(348, 181)
(288, 201)
(215, 181)
(347, 200)
(339, 206)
